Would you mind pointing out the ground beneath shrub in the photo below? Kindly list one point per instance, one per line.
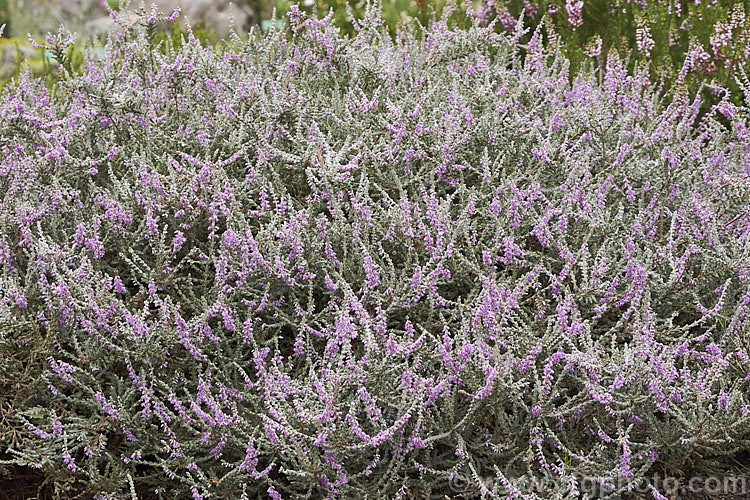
(25, 483)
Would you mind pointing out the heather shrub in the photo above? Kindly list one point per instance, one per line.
(684, 44)
(367, 268)
(396, 13)
(688, 47)
(43, 59)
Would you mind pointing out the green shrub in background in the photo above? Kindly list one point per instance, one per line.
(4, 13)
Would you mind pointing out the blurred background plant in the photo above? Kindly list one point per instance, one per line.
(690, 47)
(4, 13)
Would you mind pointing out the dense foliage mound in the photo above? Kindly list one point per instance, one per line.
(316, 266)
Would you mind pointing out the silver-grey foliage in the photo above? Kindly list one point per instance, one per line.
(313, 267)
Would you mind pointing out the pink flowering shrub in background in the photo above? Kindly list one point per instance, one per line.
(366, 267)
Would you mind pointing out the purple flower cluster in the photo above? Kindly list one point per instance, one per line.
(351, 268)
